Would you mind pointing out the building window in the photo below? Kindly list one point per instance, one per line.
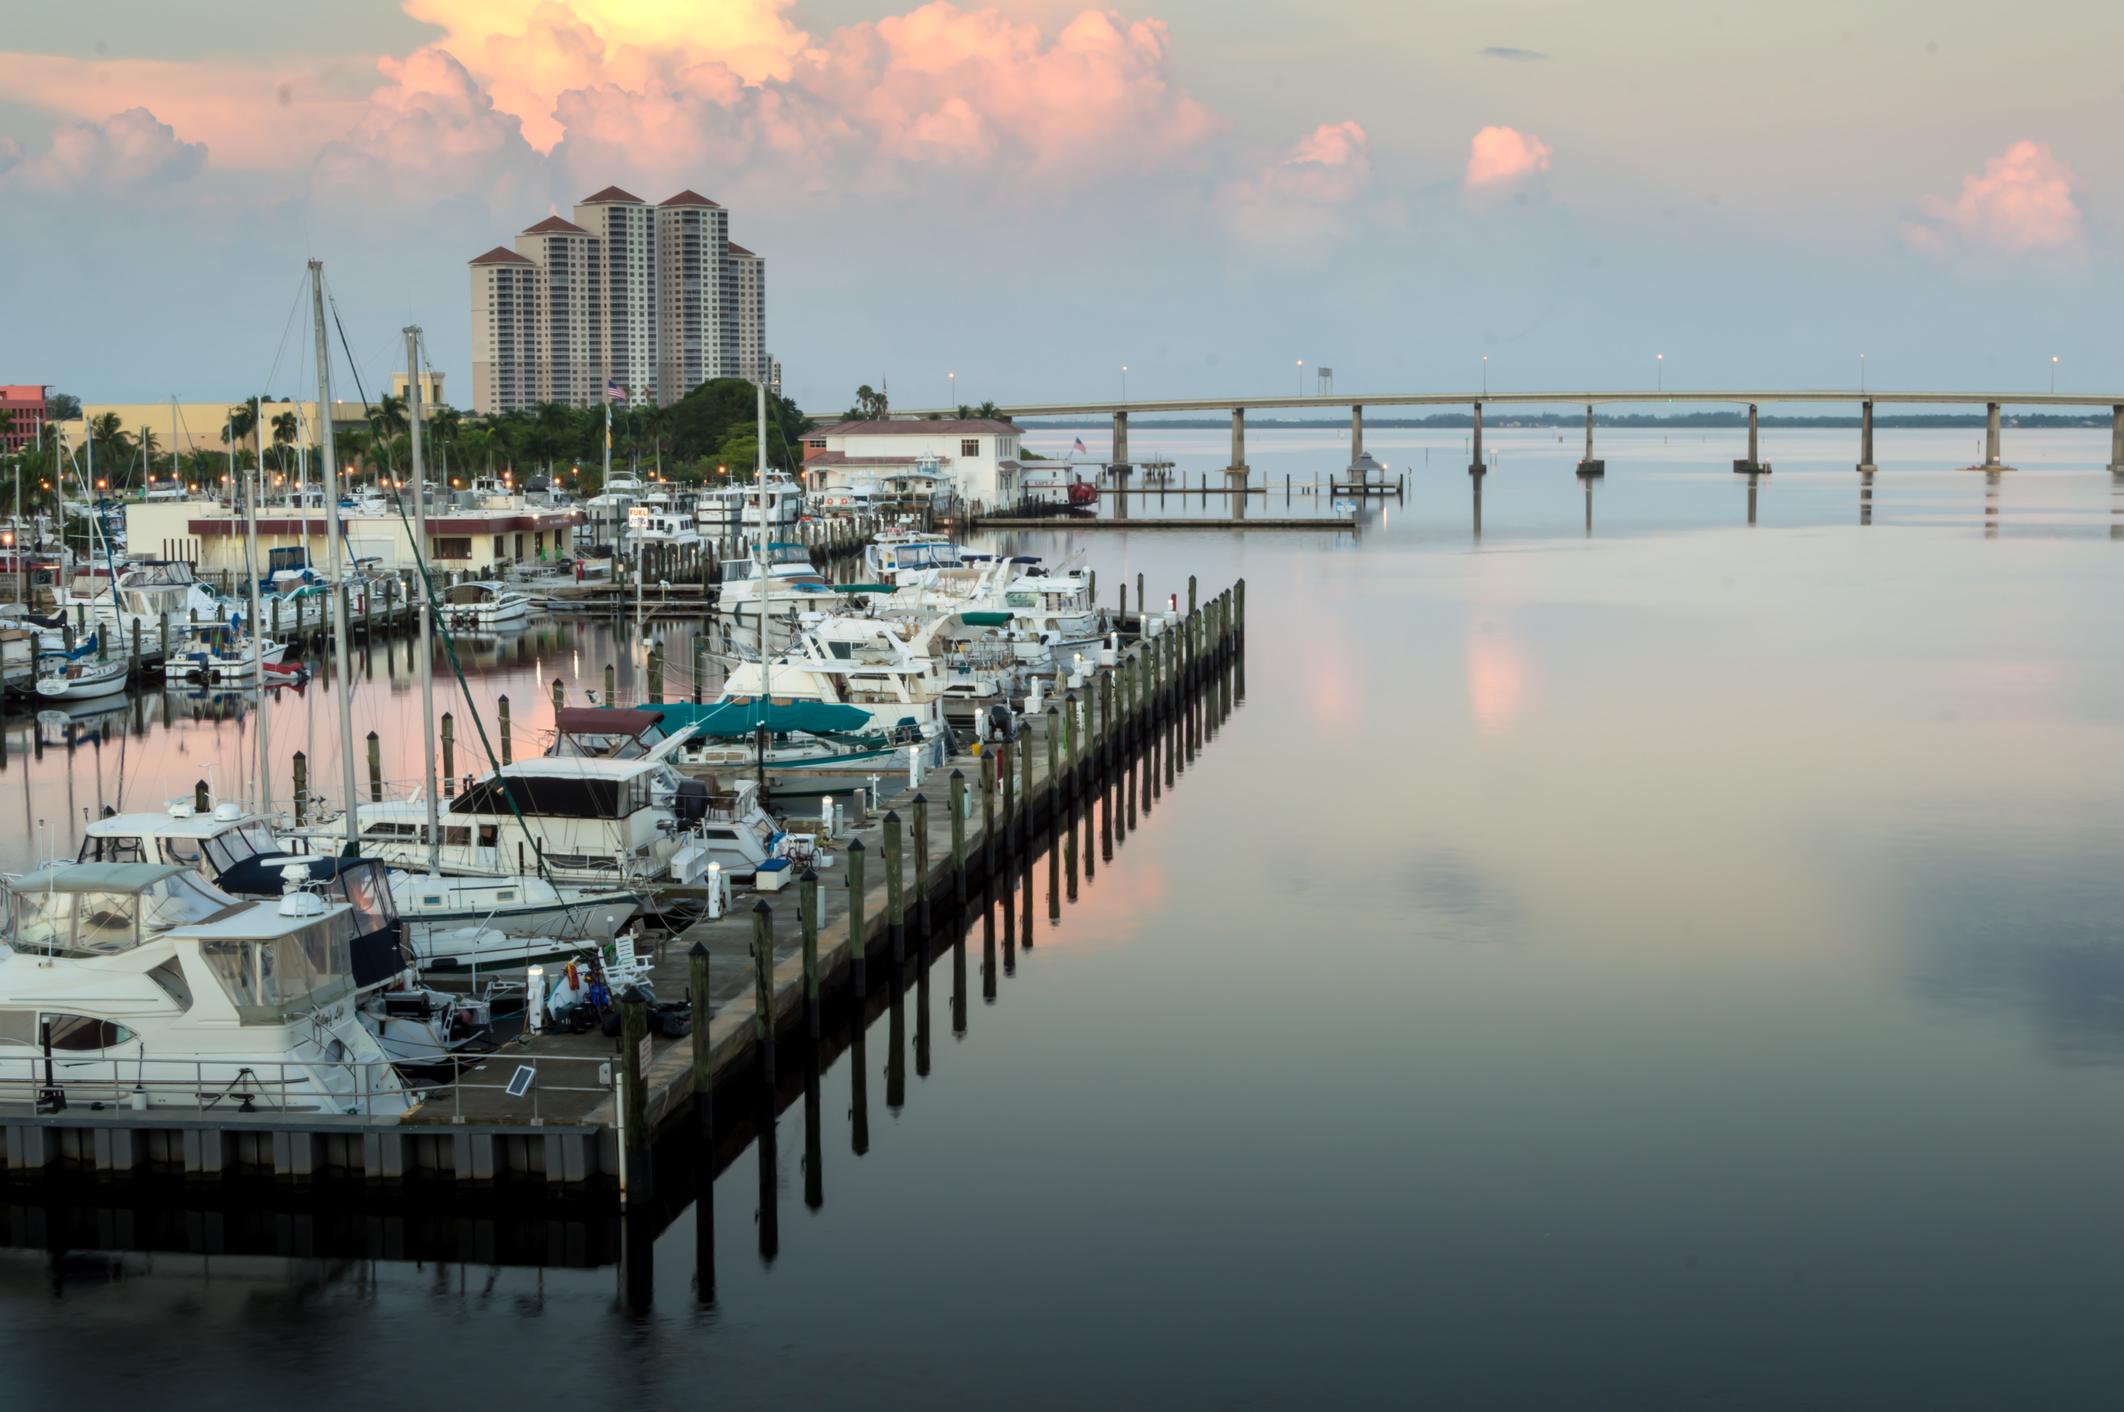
(459, 549)
(969, 447)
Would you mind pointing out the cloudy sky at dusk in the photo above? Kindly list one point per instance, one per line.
(1031, 194)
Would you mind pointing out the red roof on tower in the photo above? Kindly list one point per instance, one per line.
(611, 195)
(560, 224)
(737, 249)
(502, 255)
(690, 198)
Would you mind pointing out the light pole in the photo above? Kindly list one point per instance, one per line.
(952, 381)
(1862, 372)
(1301, 377)
(1659, 371)
(1486, 375)
(1124, 382)
(2053, 373)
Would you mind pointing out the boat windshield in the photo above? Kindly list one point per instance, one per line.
(367, 888)
(272, 980)
(51, 922)
(238, 845)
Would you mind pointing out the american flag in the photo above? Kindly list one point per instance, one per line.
(1081, 448)
(614, 392)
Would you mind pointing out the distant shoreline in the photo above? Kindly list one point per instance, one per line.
(1625, 421)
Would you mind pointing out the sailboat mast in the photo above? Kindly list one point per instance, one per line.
(762, 584)
(343, 672)
(250, 565)
(420, 554)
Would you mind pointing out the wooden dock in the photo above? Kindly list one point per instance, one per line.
(1254, 522)
(584, 1123)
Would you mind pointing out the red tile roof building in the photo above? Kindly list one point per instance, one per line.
(649, 300)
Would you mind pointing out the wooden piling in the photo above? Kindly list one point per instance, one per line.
(1004, 751)
(958, 836)
(560, 696)
(375, 768)
(895, 916)
(808, 928)
(698, 996)
(611, 685)
(634, 1093)
(921, 863)
(763, 987)
(858, 949)
(302, 788)
(656, 674)
(501, 727)
(449, 755)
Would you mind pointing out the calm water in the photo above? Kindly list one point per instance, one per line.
(1676, 965)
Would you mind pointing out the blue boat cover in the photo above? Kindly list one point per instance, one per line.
(740, 717)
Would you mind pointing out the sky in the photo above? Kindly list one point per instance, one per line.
(1032, 194)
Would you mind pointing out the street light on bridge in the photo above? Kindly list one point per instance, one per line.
(2053, 373)
(1301, 377)
(1659, 372)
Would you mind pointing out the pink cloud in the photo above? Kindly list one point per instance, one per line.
(1296, 200)
(1499, 156)
(2021, 203)
(125, 150)
(429, 126)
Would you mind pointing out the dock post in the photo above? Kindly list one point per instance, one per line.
(1123, 618)
(501, 727)
(449, 754)
(921, 863)
(895, 902)
(1753, 464)
(375, 768)
(763, 987)
(858, 942)
(656, 674)
(988, 811)
(958, 836)
(1191, 595)
(1005, 751)
(808, 928)
(133, 670)
(302, 788)
(638, 1182)
(1587, 465)
(2116, 440)
(700, 667)
(1054, 764)
(1239, 609)
(202, 797)
(560, 696)
(276, 624)
(611, 685)
(703, 1053)
(1142, 602)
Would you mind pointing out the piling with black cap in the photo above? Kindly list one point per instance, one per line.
(703, 1070)
(501, 726)
(858, 959)
(375, 768)
(921, 863)
(808, 927)
(634, 1082)
(988, 811)
(560, 697)
(1004, 751)
(611, 685)
(302, 788)
(895, 915)
(449, 754)
(763, 987)
(958, 836)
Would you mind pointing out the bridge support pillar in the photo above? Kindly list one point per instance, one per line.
(1991, 440)
(1356, 433)
(1475, 465)
(1120, 466)
(1237, 471)
(1753, 465)
(2116, 440)
(1588, 466)
(1865, 461)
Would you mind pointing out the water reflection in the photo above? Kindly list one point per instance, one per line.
(1865, 497)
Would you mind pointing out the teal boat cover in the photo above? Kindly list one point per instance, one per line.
(743, 717)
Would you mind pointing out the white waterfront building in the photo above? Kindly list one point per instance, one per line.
(978, 456)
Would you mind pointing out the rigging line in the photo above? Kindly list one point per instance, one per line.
(286, 330)
(439, 626)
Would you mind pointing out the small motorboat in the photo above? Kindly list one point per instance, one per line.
(81, 679)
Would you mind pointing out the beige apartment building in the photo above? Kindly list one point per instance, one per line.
(648, 301)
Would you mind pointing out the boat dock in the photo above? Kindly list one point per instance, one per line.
(578, 1117)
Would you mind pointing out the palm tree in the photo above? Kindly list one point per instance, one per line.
(242, 421)
(285, 428)
(107, 432)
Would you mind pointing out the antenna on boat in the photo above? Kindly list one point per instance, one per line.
(420, 549)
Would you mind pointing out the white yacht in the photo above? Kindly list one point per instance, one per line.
(663, 520)
(615, 823)
(483, 923)
(484, 604)
(774, 506)
(898, 555)
(143, 985)
(217, 652)
(900, 672)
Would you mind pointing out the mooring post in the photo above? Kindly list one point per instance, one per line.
(1004, 752)
(808, 928)
(763, 987)
(501, 727)
(611, 685)
(700, 667)
(988, 811)
(302, 788)
(1054, 762)
(958, 836)
(560, 696)
(895, 917)
(449, 754)
(703, 1006)
(921, 862)
(375, 768)
(634, 1095)
(858, 947)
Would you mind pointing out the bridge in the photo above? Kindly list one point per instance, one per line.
(1752, 463)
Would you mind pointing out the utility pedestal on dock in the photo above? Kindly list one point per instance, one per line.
(1753, 464)
(1587, 466)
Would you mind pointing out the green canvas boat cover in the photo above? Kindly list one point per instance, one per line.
(984, 619)
(865, 588)
(743, 717)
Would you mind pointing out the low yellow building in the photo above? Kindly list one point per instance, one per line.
(185, 427)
